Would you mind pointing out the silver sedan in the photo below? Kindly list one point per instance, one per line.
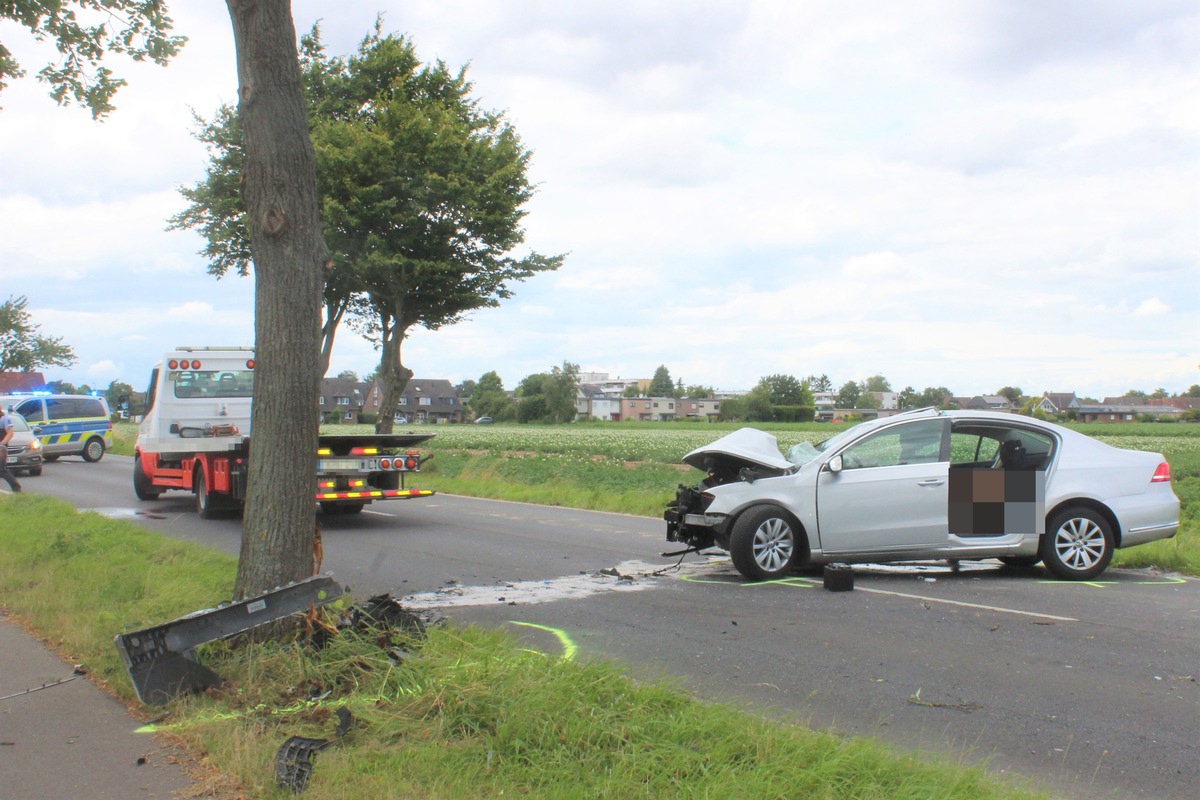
(925, 484)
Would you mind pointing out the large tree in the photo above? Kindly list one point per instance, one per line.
(84, 32)
(283, 224)
(423, 197)
(661, 384)
(22, 347)
(549, 396)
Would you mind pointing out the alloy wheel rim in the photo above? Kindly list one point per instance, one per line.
(1080, 543)
(773, 544)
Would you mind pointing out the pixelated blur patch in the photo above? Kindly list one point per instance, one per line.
(996, 502)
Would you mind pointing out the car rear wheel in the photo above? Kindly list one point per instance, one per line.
(1077, 545)
(93, 451)
(764, 544)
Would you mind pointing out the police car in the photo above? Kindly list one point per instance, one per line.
(66, 424)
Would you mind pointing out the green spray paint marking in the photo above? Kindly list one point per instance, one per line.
(569, 647)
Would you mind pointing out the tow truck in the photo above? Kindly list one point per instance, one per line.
(195, 437)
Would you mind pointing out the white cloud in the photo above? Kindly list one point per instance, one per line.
(1152, 307)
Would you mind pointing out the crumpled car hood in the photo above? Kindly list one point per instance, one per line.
(746, 447)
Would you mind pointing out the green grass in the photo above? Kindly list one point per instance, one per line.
(633, 468)
(468, 714)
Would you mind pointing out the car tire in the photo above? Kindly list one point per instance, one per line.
(93, 451)
(1021, 562)
(1077, 545)
(142, 487)
(765, 543)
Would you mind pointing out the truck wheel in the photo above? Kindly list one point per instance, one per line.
(352, 508)
(330, 508)
(206, 504)
(142, 487)
(93, 451)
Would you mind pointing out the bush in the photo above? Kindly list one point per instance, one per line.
(367, 418)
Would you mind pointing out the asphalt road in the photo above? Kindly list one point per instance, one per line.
(1086, 689)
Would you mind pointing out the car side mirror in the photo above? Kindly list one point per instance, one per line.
(36, 429)
(834, 464)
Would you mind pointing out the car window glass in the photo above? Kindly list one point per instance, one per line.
(60, 408)
(1005, 446)
(89, 407)
(31, 410)
(19, 424)
(911, 443)
(967, 448)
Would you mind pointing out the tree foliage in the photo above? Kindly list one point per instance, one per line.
(489, 399)
(115, 392)
(1011, 393)
(876, 383)
(661, 384)
(820, 383)
(786, 390)
(84, 32)
(22, 347)
(423, 196)
(847, 396)
(549, 396)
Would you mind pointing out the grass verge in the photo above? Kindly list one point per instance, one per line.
(468, 714)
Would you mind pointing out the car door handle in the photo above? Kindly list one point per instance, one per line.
(931, 482)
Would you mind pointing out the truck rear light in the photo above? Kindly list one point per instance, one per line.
(1162, 474)
(250, 364)
(410, 463)
(385, 463)
(327, 484)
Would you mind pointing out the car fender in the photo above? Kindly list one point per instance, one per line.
(732, 499)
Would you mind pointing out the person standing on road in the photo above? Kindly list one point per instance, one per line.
(6, 433)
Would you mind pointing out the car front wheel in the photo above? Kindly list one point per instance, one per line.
(1077, 545)
(764, 544)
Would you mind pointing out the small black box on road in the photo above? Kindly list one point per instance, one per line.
(839, 578)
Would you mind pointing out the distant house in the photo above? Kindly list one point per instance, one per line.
(342, 400)
(593, 402)
(22, 382)
(1058, 402)
(648, 409)
(708, 408)
(1124, 410)
(989, 402)
(424, 400)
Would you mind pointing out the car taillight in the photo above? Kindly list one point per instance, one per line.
(1162, 474)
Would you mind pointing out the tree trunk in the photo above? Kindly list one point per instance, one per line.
(392, 373)
(283, 216)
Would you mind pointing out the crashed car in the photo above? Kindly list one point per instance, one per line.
(920, 485)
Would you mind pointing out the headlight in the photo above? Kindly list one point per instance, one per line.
(36, 444)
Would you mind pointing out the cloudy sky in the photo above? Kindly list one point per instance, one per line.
(948, 193)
